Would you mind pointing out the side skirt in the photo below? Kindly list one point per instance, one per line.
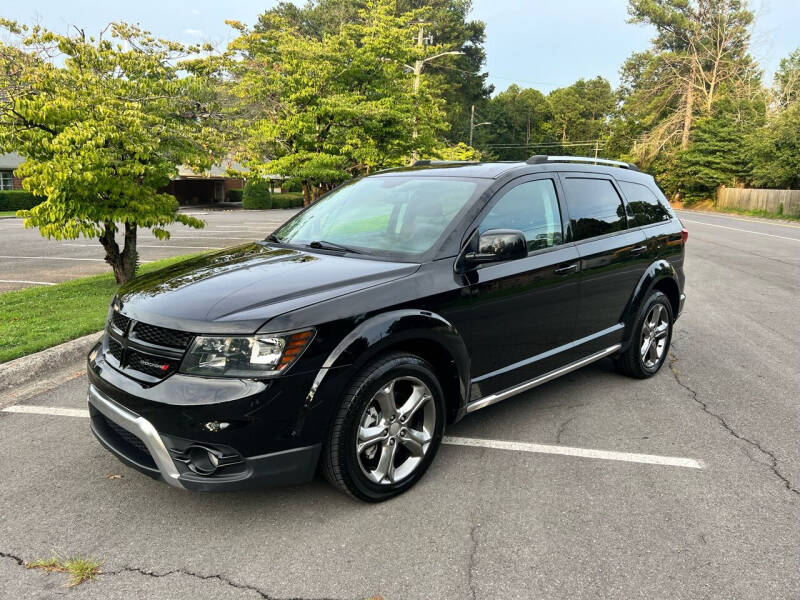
(524, 387)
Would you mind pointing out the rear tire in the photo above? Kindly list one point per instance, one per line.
(650, 339)
(387, 430)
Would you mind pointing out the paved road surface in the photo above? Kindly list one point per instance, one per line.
(27, 259)
(485, 522)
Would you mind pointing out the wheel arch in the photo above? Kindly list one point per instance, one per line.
(660, 276)
(423, 333)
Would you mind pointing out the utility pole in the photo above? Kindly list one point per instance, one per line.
(473, 125)
(596, 147)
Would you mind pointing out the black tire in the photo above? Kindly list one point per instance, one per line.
(340, 463)
(631, 362)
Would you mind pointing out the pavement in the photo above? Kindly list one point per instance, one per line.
(27, 259)
(551, 499)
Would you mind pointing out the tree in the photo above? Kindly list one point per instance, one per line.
(700, 53)
(581, 111)
(519, 119)
(461, 81)
(321, 110)
(787, 80)
(103, 124)
(776, 150)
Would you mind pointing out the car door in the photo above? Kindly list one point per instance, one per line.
(658, 222)
(523, 311)
(613, 257)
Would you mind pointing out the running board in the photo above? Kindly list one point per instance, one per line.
(524, 387)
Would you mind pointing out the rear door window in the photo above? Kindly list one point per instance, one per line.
(644, 207)
(595, 207)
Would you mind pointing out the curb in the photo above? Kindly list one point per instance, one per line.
(41, 365)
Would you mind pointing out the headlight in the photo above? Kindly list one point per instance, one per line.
(255, 356)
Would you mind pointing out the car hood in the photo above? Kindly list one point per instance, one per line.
(238, 289)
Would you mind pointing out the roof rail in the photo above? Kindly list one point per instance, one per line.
(538, 159)
(426, 162)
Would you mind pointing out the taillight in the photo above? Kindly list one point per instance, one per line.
(684, 235)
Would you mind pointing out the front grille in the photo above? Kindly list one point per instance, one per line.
(161, 336)
(155, 366)
(120, 321)
(128, 437)
(115, 349)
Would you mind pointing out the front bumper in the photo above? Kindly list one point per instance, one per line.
(136, 442)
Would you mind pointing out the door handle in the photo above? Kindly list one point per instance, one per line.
(638, 249)
(567, 269)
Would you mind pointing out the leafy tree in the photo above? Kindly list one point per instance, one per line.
(461, 80)
(581, 111)
(699, 55)
(460, 151)
(776, 150)
(787, 80)
(325, 109)
(103, 124)
(519, 119)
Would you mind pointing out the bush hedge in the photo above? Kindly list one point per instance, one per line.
(287, 200)
(18, 200)
(256, 195)
(234, 195)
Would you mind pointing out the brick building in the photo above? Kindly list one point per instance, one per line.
(8, 164)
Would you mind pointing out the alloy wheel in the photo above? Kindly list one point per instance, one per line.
(654, 336)
(395, 430)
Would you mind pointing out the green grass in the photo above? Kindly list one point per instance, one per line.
(8, 213)
(78, 569)
(36, 318)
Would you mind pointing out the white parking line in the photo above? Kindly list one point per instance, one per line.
(47, 410)
(650, 459)
(782, 237)
(744, 220)
(146, 246)
(23, 281)
(64, 258)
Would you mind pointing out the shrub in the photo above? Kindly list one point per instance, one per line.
(234, 195)
(256, 195)
(287, 200)
(18, 200)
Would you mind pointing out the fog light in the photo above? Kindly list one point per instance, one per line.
(202, 460)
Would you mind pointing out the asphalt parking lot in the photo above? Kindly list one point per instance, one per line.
(28, 259)
(711, 511)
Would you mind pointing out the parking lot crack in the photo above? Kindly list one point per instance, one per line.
(13, 557)
(217, 576)
(562, 428)
(773, 460)
(473, 537)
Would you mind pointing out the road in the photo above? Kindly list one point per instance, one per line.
(27, 259)
(496, 520)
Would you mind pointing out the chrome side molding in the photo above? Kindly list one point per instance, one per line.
(141, 428)
(532, 383)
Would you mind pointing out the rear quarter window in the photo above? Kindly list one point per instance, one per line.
(595, 207)
(644, 207)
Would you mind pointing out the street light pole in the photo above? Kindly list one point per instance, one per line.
(472, 124)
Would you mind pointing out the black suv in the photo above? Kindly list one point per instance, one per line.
(395, 305)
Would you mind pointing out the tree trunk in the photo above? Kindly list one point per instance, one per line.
(306, 194)
(123, 263)
(688, 111)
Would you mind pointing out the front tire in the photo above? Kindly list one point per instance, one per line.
(650, 340)
(387, 429)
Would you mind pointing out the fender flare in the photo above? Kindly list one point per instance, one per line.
(655, 273)
(381, 331)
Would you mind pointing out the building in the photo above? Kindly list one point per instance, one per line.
(8, 164)
(188, 187)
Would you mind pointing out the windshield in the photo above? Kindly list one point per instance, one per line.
(393, 215)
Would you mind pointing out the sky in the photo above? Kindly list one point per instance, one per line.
(535, 43)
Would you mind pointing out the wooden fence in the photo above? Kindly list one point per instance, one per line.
(785, 202)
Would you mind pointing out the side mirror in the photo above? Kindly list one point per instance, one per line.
(499, 245)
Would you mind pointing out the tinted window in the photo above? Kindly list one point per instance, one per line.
(595, 208)
(643, 205)
(531, 208)
(397, 215)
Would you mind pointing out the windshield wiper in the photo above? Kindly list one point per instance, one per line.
(273, 238)
(323, 245)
